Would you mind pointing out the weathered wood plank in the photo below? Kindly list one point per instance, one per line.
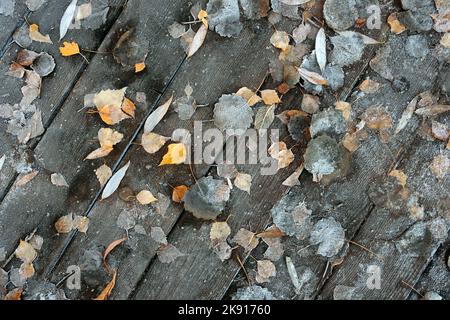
(73, 134)
(55, 87)
(11, 19)
(221, 66)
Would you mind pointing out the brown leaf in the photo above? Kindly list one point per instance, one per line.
(270, 97)
(111, 247)
(377, 118)
(26, 178)
(179, 192)
(396, 26)
(14, 294)
(64, 224)
(106, 292)
(273, 232)
(312, 77)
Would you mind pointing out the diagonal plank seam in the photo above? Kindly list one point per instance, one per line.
(10, 40)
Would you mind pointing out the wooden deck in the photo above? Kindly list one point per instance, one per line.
(222, 65)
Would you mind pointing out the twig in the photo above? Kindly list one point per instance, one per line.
(243, 269)
(412, 288)
(365, 249)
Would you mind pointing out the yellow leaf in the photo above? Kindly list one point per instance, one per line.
(109, 105)
(128, 107)
(179, 192)
(175, 155)
(202, 16)
(138, 67)
(145, 197)
(111, 114)
(270, 97)
(37, 36)
(396, 26)
(280, 40)
(69, 49)
(400, 176)
(106, 292)
(152, 142)
(251, 97)
(99, 153)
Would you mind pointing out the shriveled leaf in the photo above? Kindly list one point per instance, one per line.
(145, 197)
(139, 67)
(153, 142)
(270, 97)
(312, 77)
(112, 246)
(103, 174)
(114, 182)
(156, 116)
(58, 180)
(251, 97)
(246, 239)
(406, 115)
(179, 192)
(25, 252)
(280, 40)
(396, 26)
(64, 224)
(321, 49)
(243, 181)
(282, 154)
(66, 19)
(106, 292)
(35, 35)
(26, 178)
(198, 40)
(128, 107)
(176, 154)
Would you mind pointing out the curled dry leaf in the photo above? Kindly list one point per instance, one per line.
(81, 223)
(153, 142)
(26, 270)
(156, 116)
(406, 115)
(139, 67)
(106, 292)
(128, 107)
(64, 224)
(179, 192)
(103, 174)
(145, 197)
(198, 40)
(176, 154)
(35, 35)
(270, 97)
(114, 182)
(280, 40)
(109, 105)
(25, 252)
(246, 239)
(111, 247)
(243, 181)
(312, 77)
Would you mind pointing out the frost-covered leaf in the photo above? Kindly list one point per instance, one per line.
(2, 161)
(329, 235)
(232, 112)
(246, 239)
(103, 174)
(301, 33)
(220, 231)
(364, 38)
(185, 107)
(321, 49)
(67, 18)
(310, 103)
(145, 197)
(153, 142)
(58, 180)
(345, 108)
(369, 86)
(114, 182)
(439, 131)
(156, 116)
(243, 181)
(158, 234)
(207, 198)
(377, 118)
(292, 218)
(440, 166)
(168, 253)
(224, 17)
(433, 110)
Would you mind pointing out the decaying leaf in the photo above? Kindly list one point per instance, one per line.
(439, 131)
(156, 116)
(66, 19)
(158, 234)
(246, 239)
(369, 86)
(179, 192)
(251, 97)
(266, 270)
(243, 181)
(220, 231)
(280, 40)
(168, 253)
(396, 26)
(312, 77)
(81, 223)
(198, 40)
(145, 197)
(106, 292)
(26, 270)
(114, 182)
(35, 35)
(270, 97)
(282, 154)
(400, 176)
(69, 49)
(103, 174)
(14, 294)
(176, 154)
(377, 118)
(153, 142)
(292, 180)
(26, 178)
(58, 180)
(321, 49)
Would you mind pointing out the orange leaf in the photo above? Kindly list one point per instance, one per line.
(138, 67)
(106, 292)
(15, 294)
(111, 247)
(271, 233)
(178, 193)
(128, 107)
(175, 155)
(69, 49)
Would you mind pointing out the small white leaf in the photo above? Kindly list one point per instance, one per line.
(198, 40)
(293, 275)
(364, 38)
(321, 49)
(2, 161)
(155, 117)
(114, 182)
(58, 180)
(407, 114)
(294, 2)
(66, 19)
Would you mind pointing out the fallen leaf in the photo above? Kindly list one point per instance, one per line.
(2, 161)
(439, 131)
(220, 231)
(280, 40)
(270, 97)
(364, 38)
(445, 40)
(114, 182)
(153, 142)
(345, 108)
(312, 77)
(145, 197)
(396, 26)
(293, 275)
(109, 105)
(294, 2)
(321, 49)
(377, 118)
(246, 239)
(369, 86)
(158, 234)
(251, 97)
(107, 138)
(99, 153)
(202, 16)
(264, 117)
(106, 292)
(156, 116)
(26, 57)
(26, 270)
(176, 154)
(292, 180)
(111, 247)
(103, 174)
(26, 178)
(301, 33)
(66, 19)
(433, 110)
(25, 252)
(16, 70)
(310, 103)
(287, 115)
(178, 193)
(176, 30)
(168, 253)
(14, 294)
(35, 35)
(243, 181)
(198, 40)
(64, 224)
(440, 166)
(128, 107)
(58, 180)
(83, 11)
(400, 176)
(406, 115)
(69, 49)
(272, 232)
(329, 235)
(266, 270)
(282, 154)
(138, 67)
(81, 223)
